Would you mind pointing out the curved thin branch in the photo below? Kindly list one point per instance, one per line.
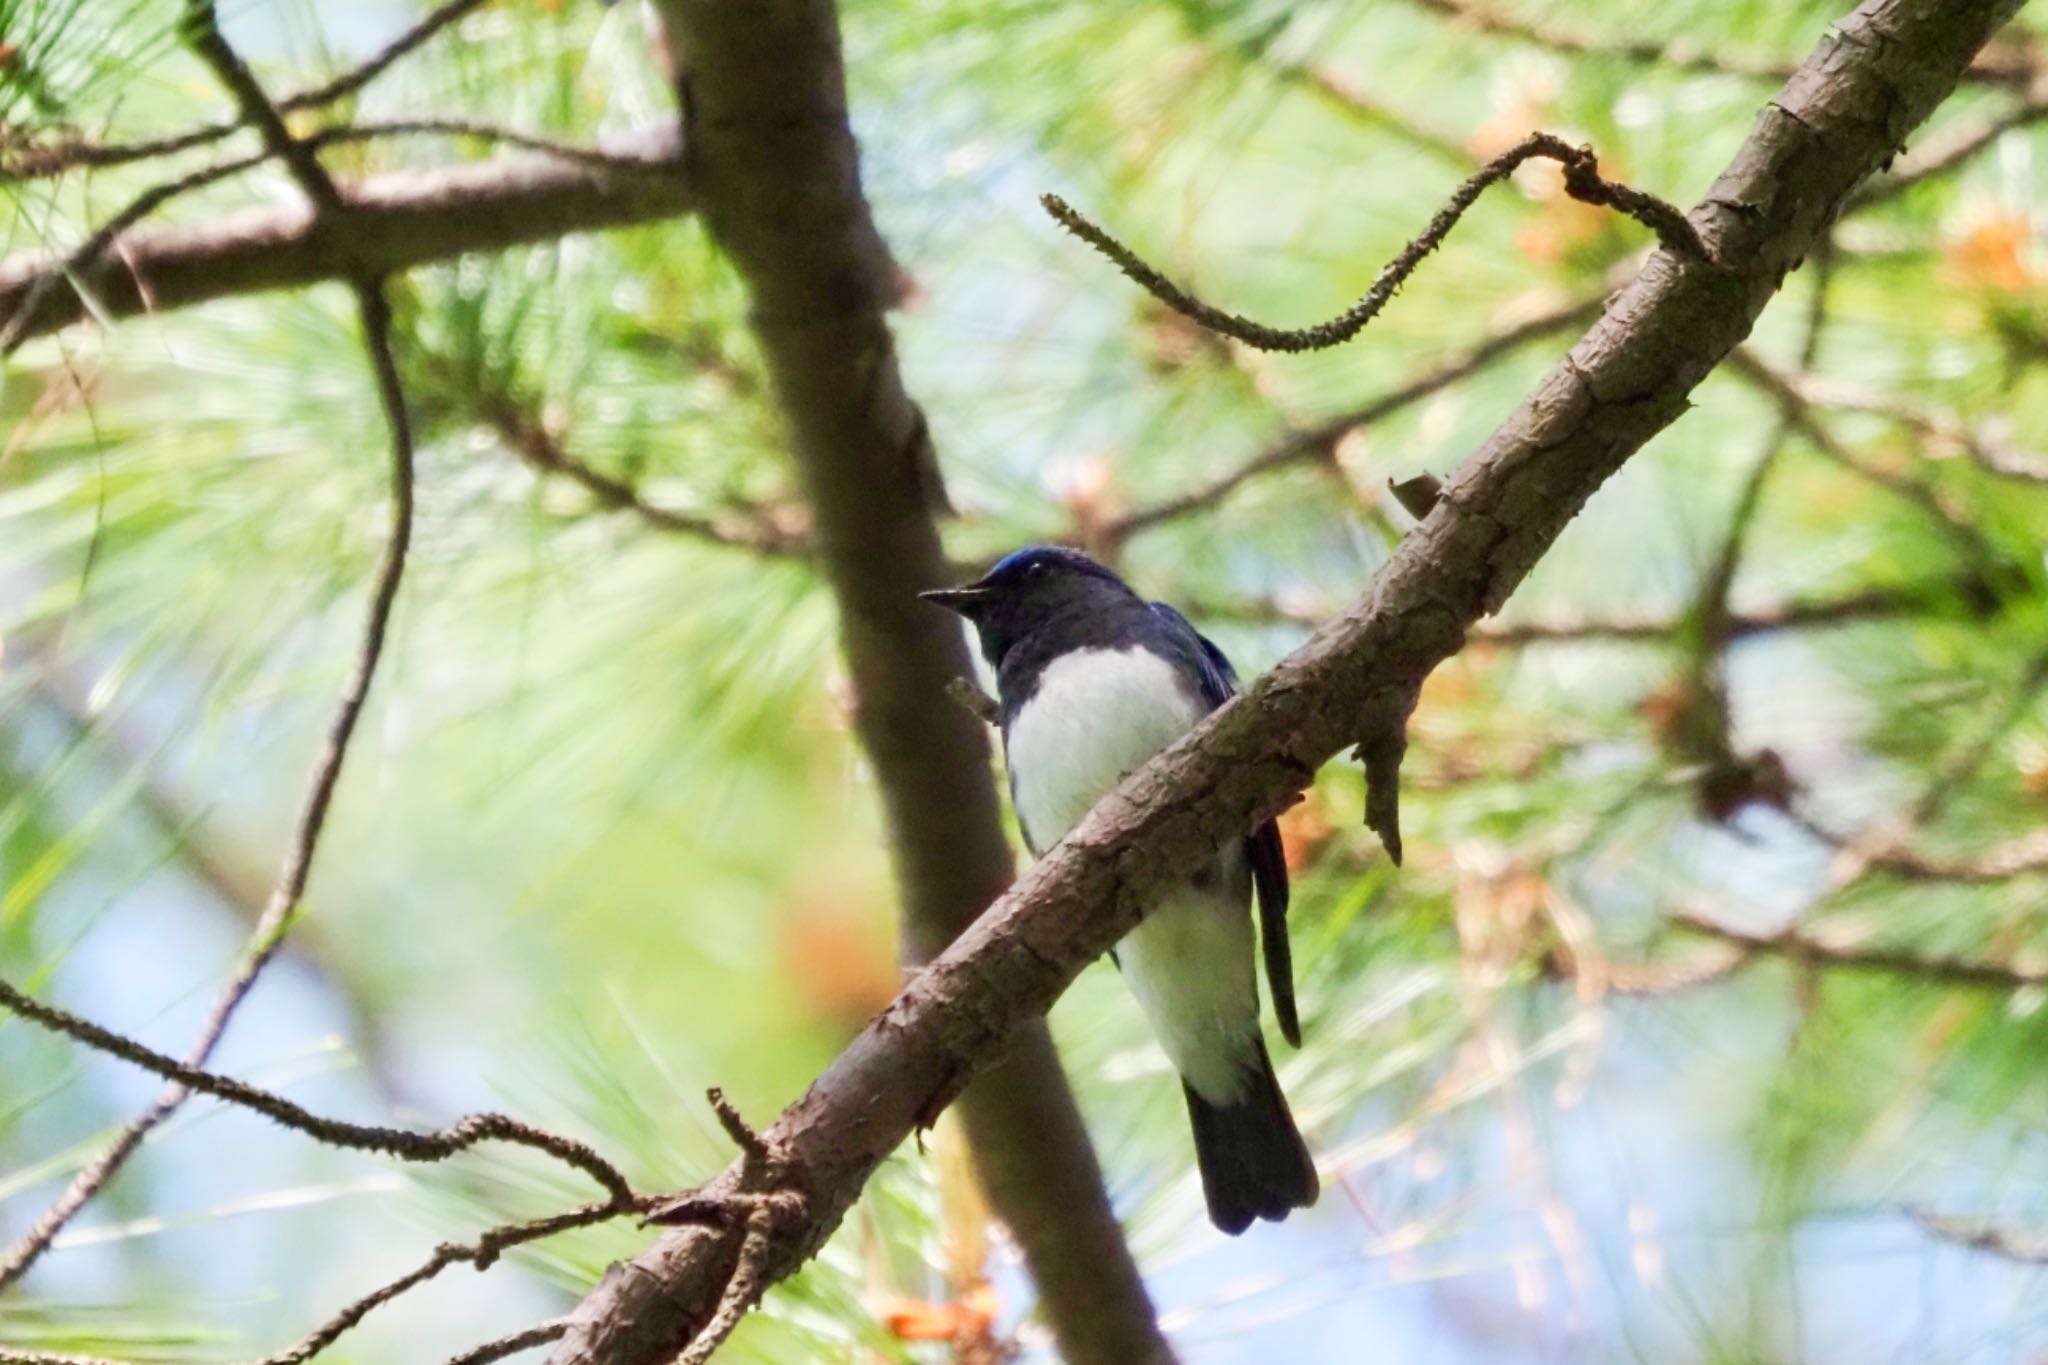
(540, 1334)
(271, 927)
(1320, 441)
(1582, 180)
(1804, 946)
(404, 1143)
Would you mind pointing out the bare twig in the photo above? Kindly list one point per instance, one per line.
(482, 1253)
(1808, 947)
(1933, 599)
(1319, 441)
(202, 33)
(290, 889)
(404, 1143)
(1941, 428)
(1582, 180)
(380, 61)
(979, 704)
(1983, 1236)
(19, 318)
(1971, 758)
(1350, 99)
(1944, 597)
(1952, 150)
(1961, 528)
(1672, 52)
(540, 1334)
(63, 156)
(1675, 52)
(530, 439)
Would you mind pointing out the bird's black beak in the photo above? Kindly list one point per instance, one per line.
(961, 600)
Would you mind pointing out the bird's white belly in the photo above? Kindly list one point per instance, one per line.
(1096, 717)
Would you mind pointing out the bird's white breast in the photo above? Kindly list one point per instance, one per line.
(1097, 715)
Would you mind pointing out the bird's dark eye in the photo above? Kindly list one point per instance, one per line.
(1036, 570)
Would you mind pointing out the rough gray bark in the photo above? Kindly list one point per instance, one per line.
(389, 223)
(1842, 114)
(773, 166)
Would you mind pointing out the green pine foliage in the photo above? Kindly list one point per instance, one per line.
(606, 838)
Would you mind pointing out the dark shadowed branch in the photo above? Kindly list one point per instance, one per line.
(395, 221)
(776, 170)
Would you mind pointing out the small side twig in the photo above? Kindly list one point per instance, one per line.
(1582, 180)
(540, 1334)
(482, 1253)
(202, 33)
(1808, 948)
(978, 703)
(53, 159)
(1418, 496)
(769, 1199)
(1959, 526)
(1938, 157)
(1983, 1236)
(752, 1148)
(1381, 749)
(1318, 441)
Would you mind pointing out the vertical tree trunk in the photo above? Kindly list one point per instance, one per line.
(774, 167)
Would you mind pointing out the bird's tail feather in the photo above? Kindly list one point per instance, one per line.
(1252, 1159)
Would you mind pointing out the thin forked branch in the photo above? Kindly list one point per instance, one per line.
(290, 889)
(62, 156)
(1582, 180)
(1318, 442)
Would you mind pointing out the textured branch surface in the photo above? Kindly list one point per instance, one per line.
(1582, 180)
(388, 223)
(1842, 114)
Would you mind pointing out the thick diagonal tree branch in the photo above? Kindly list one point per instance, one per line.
(1843, 112)
(389, 223)
(772, 160)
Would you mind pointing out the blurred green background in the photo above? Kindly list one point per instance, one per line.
(605, 839)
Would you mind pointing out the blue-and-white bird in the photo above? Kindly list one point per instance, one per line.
(1093, 681)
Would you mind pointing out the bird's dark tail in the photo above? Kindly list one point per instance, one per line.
(1253, 1161)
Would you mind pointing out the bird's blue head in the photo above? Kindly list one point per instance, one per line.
(1027, 589)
